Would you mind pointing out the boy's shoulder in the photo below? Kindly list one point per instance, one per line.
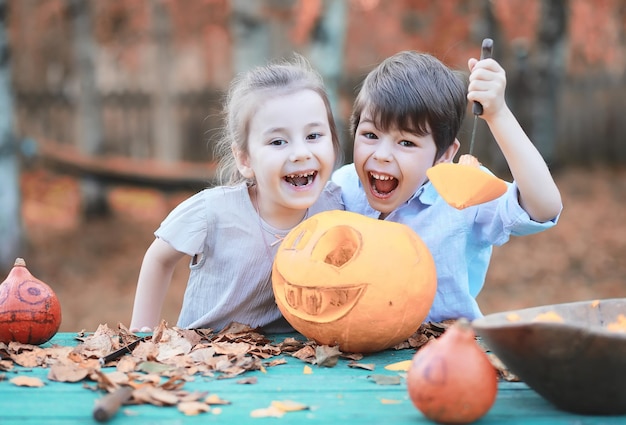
(345, 175)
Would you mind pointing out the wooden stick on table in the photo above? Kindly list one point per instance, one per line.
(106, 407)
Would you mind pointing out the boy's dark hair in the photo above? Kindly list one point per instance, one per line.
(414, 92)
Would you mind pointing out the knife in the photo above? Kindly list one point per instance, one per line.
(128, 348)
(477, 109)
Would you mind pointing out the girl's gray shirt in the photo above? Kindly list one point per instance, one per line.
(232, 252)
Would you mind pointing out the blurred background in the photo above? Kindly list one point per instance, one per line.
(108, 112)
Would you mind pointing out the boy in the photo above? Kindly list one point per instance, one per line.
(405, 120)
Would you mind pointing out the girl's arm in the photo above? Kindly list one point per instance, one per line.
(154, 280)
(539, 195)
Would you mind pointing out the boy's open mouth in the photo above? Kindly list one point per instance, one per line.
(383, 184)
(301, 179)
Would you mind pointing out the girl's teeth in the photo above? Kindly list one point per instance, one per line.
(300, 179)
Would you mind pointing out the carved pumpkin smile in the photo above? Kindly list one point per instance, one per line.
(322, 304)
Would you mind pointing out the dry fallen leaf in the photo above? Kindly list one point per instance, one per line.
(275, 362)
(6, 365)
(250, 380)
(64, 372)
(390, 401)
(289, 405)
(501, 369)
(402, 366)
(155, 396)
(326, 356)
(28, 355)
(192, 408)
(366, 366)
(306, 354)
(214, 399)
(278, 408)
(267, 412)
(27, 381)
(385, 379)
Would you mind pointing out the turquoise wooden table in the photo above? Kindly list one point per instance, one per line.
(339, 394)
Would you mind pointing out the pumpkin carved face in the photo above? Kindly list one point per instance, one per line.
(344, 279)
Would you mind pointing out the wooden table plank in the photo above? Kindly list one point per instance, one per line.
(334, 395)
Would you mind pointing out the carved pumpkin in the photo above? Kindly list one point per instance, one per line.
(30, 311)
(465, 184)
(341, 278)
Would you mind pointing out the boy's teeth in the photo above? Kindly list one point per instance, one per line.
(383, 183)
(381, 176)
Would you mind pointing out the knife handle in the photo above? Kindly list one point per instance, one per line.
(485, 53)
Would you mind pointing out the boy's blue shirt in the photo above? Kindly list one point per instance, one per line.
(460, 241)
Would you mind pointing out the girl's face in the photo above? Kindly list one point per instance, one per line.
(392, 164)
(290, 155)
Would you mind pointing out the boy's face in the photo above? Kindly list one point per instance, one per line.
(392, 164)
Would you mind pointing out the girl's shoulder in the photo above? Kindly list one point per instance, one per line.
(218, 194)
(191, 222)
(214, 199)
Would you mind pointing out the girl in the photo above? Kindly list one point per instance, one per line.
(278, 149)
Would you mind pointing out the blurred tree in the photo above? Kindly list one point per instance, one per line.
(269, 29)
(258, 31)
(549, 74)
(326, 39)
(166, 138)
(88, 120)
(10, 223)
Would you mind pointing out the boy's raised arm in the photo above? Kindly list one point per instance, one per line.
(539, 195)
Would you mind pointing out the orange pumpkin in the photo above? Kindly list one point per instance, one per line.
(465, 184)
(30, 311)
(341, 278)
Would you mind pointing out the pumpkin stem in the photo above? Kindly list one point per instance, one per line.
(19, 262)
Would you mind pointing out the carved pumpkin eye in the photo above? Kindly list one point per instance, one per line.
(337, 246)
(344, 279)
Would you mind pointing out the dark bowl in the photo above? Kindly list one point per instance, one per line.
(578, 364)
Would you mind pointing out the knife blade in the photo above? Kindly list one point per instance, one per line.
(485, 52)
(128, 348)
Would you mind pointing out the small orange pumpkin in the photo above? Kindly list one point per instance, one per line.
(341, 278)
(30, 311)
(451, 379)
(464, 184)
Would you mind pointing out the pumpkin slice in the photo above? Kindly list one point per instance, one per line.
(464, 184)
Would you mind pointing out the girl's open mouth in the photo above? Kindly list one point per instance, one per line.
(301, 179)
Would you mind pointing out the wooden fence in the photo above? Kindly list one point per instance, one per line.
(127, 149)
(589, 128)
